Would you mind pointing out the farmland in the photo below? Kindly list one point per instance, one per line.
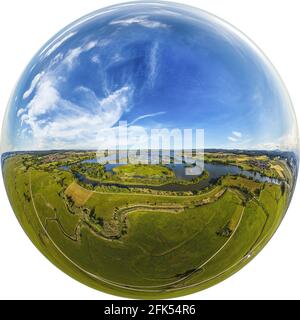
(138, 243)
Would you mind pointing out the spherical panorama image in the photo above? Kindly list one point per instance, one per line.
(150, 150)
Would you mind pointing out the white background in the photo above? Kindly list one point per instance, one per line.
(26, 25)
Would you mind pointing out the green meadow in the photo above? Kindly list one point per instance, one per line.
(140, 244)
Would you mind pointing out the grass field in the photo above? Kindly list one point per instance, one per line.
(140, 244)
(145, 171)
(79, 195)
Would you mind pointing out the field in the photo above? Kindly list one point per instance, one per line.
(140, 244)
(147, 171)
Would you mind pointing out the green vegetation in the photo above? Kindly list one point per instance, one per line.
(133, 174)
(262, 164)
(143, 170)
(141, 242)
(91, 170)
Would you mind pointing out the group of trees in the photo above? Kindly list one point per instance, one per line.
(93, 170)
(93, 217)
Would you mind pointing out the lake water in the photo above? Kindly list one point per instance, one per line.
(215, 172)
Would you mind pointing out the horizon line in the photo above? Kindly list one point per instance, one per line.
(104, 150)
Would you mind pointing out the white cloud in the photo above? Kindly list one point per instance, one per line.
(288, 141)
(54, 121)
(33, 85)
(24, 118)
(53, 46)
(95, 59)
(111, 138)
(146, 116)
(59, 57)
(237, 134)
(232, 139)
(117, 101)
(116, 58)
(153, 63)
(20, 112)
(50, 121)
(142, 20)
(74, 53)
(236, 137)
(45, 99)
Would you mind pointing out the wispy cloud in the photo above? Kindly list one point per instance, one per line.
(54, 120)
(53, 46)
(288, 141)
(141, 20)
(74, 53)
(95, 59)
(232, 139)
(146, 116)
(153, 63)
(68, 59)
(21, 111)
(51, 120)
(238, 140)
(237, 134)
(33, 84)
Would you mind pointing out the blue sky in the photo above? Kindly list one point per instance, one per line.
(154, 66)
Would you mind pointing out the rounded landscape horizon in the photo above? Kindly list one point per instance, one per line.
(150, 150)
